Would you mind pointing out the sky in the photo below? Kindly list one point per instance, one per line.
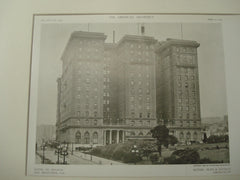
(54, 38)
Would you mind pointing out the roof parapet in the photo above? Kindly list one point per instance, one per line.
(177, 42)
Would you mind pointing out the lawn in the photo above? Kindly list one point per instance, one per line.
(214, 152)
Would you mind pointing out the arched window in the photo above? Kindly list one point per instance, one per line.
(78, 137)
(188, 136)
(195, 135)
(86, 138)
(95, 138)
(181, 136)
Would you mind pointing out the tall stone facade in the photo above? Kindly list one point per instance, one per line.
(178, 99)
(109, 93)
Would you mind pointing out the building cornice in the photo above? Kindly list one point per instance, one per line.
(135, 38)
(176, 42)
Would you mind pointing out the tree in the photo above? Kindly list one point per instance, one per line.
(204, 138)
(161, 133)
(172, 140)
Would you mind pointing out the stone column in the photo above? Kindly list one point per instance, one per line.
(110, 136)
(123, 136)
(117, 136)
(104, 137)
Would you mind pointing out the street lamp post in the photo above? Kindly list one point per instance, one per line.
(58, 151)
(72, 149)
(91, 151)
(43, 147)
(64, 152)
(135, 151)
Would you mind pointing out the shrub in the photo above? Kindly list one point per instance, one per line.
(154, 158)
(217, 139)
(118, 155)
(131, 158)
(184, 156)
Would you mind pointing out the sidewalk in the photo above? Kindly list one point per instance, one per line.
(95, 159)
(77, 158)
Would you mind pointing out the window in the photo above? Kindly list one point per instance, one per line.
(179, 92)
(87, 113)
(78, 113)
(132, 114)
(180, 115)
(140, 115)
(148, 115)
(188, 136)
(180, 108)
(148, 106)
(193, 85)
(132, 123)
(86, 138)
(77, 137)
(148, 91)
(194, 115)
(95, 138)
(149, 123)
(195, 135)
(193, 93)
(95, 114)
(181, 123)
(181, 136)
